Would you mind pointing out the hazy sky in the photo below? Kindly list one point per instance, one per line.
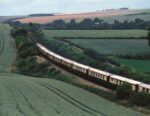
(24, 7)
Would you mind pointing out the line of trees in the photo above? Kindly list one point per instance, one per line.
(88, 23)
(97, 23)
(149, 37)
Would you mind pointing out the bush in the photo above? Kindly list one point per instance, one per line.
(124, 91)
(140, 98)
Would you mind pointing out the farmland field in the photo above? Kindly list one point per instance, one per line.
(139, 65)
(115, 46)
(7, 50)
(96, 33)
(21, 95)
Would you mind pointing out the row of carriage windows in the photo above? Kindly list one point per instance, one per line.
(144, 89)
(98, 75)
(65, 63)
(79, 69)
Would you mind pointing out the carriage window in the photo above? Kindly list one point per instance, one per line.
(143, 89)
(147, 90)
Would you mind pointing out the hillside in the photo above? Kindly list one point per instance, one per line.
(21, 95)
(100, 14)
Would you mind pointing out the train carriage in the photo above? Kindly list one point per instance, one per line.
(66, 62)
(144, 88)
(119, 80)
(50, 56)
(57, 59)
(80, 67)
(98, 74)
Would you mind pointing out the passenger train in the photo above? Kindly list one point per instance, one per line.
(104, 78)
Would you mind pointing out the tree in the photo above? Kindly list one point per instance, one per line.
(149, 37)
(87, 23)
(96, 20)
(124, 91)
(59, 24)
(72, 24)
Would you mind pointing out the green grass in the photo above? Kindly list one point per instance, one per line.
(136, 33)
(138, 65)
(21, 95)
(115, 46)
(7, 50)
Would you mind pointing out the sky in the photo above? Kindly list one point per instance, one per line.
(25, 7)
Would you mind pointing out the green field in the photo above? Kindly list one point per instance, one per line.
(138, 65)
(115, 46)
(27, 96)
(7, 49)
(136, 33)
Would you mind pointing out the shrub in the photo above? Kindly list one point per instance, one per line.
(124, 91)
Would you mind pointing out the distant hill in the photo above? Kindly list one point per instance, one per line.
(6, 18)
(35, 15)
(44, 18)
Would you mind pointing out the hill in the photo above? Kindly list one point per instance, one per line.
(22, 95)
(6, 18)
(37, 15)
(100, 14)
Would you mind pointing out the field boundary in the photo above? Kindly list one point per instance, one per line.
(2, 42)
(99, 37)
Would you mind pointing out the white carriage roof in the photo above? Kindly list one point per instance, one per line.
(125, 79)
(49, 52)
(145, 85)
(68, 60)
(99, 71)
(80, 65)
